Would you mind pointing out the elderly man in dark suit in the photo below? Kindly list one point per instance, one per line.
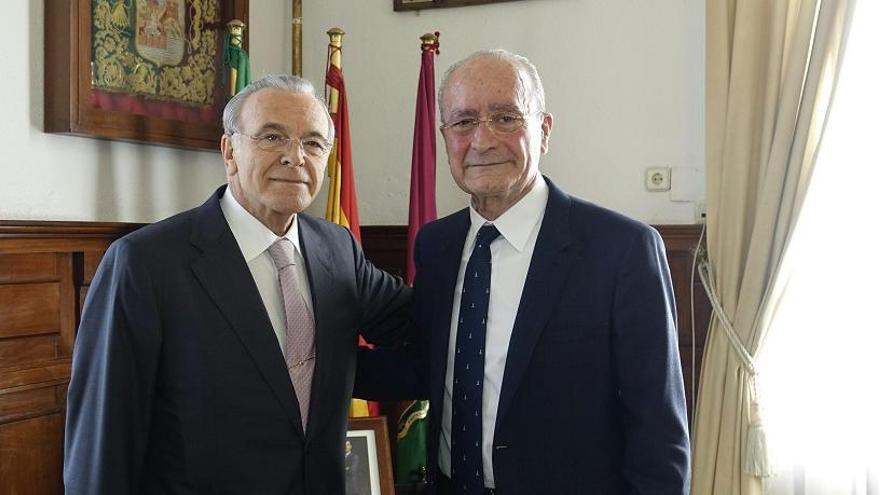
(549, 321)
(217, 348)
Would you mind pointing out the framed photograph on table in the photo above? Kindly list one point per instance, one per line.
(368, 458)
(138, 70)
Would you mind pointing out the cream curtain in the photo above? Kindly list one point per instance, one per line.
(771, 66)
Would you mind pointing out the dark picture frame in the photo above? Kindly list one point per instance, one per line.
(368, 469)
(70, 106)
(402, 5)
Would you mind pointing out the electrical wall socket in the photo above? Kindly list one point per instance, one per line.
(658, 178)
(699, 212)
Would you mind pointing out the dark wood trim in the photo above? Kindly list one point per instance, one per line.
(403, 5)
(55, 229)
(36, 340)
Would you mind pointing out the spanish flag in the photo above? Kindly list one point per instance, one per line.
(342, 199)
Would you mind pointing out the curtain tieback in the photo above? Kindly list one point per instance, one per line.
(756, 460)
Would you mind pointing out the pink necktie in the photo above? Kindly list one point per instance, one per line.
(299, 352)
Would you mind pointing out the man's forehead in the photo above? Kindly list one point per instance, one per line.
(487, 83)
(282, 108)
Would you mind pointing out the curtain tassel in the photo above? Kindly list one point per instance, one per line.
(756, 461)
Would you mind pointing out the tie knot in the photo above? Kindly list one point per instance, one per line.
(281, 252)
(486, 235)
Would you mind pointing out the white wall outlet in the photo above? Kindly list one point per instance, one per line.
(699, 212)
(658, 178)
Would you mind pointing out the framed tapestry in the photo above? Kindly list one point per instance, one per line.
(138, 70)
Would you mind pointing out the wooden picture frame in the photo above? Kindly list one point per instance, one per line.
(402, 5)
(76, 104)
(368, 469)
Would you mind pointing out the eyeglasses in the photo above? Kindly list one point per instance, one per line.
(274, 142)
(499, 123)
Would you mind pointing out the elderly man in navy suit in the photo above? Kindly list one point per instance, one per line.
(549, 322)
(217, 348)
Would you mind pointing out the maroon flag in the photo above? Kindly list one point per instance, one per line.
(422, 187)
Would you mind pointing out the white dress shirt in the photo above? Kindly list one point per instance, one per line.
(254, 239)
(511, 257)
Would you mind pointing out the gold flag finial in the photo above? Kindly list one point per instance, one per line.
(334, 58)
(236, 28)
(336, 35)
(431, 42)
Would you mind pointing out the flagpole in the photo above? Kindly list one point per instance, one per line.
(335, 58)
(331, 94)
(296, 38)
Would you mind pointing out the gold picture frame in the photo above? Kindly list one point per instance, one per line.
(368, 469)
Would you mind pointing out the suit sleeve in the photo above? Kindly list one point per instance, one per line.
(110, 395)
(395, 369)
(384, 302)
(648, 370)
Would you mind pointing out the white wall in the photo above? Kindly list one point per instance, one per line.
(624, 81)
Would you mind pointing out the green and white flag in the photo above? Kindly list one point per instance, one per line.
(412, 434)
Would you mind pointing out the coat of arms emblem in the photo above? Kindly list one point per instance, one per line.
(159, 30)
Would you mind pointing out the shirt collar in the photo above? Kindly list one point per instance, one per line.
(252, 236)
(518, 222)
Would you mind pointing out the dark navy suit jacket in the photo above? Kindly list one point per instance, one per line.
(592, 399)
(178, 382)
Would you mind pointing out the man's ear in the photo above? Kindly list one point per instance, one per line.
(546, 127)
(227, 150)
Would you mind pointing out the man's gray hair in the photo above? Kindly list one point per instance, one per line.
(517, 61)
(286, 82)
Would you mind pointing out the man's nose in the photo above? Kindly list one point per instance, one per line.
(483, 137)
(293, 155)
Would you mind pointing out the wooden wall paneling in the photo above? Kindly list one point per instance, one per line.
(29, 309)
(32, 455)
(68, 305)
(43, 266)
(36, 267)
(385, 246)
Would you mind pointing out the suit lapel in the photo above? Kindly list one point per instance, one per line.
(546, 277)
(225, 277)
(318, 265)
(448, 262)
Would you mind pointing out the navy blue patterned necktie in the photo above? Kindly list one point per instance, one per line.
(467, 388)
